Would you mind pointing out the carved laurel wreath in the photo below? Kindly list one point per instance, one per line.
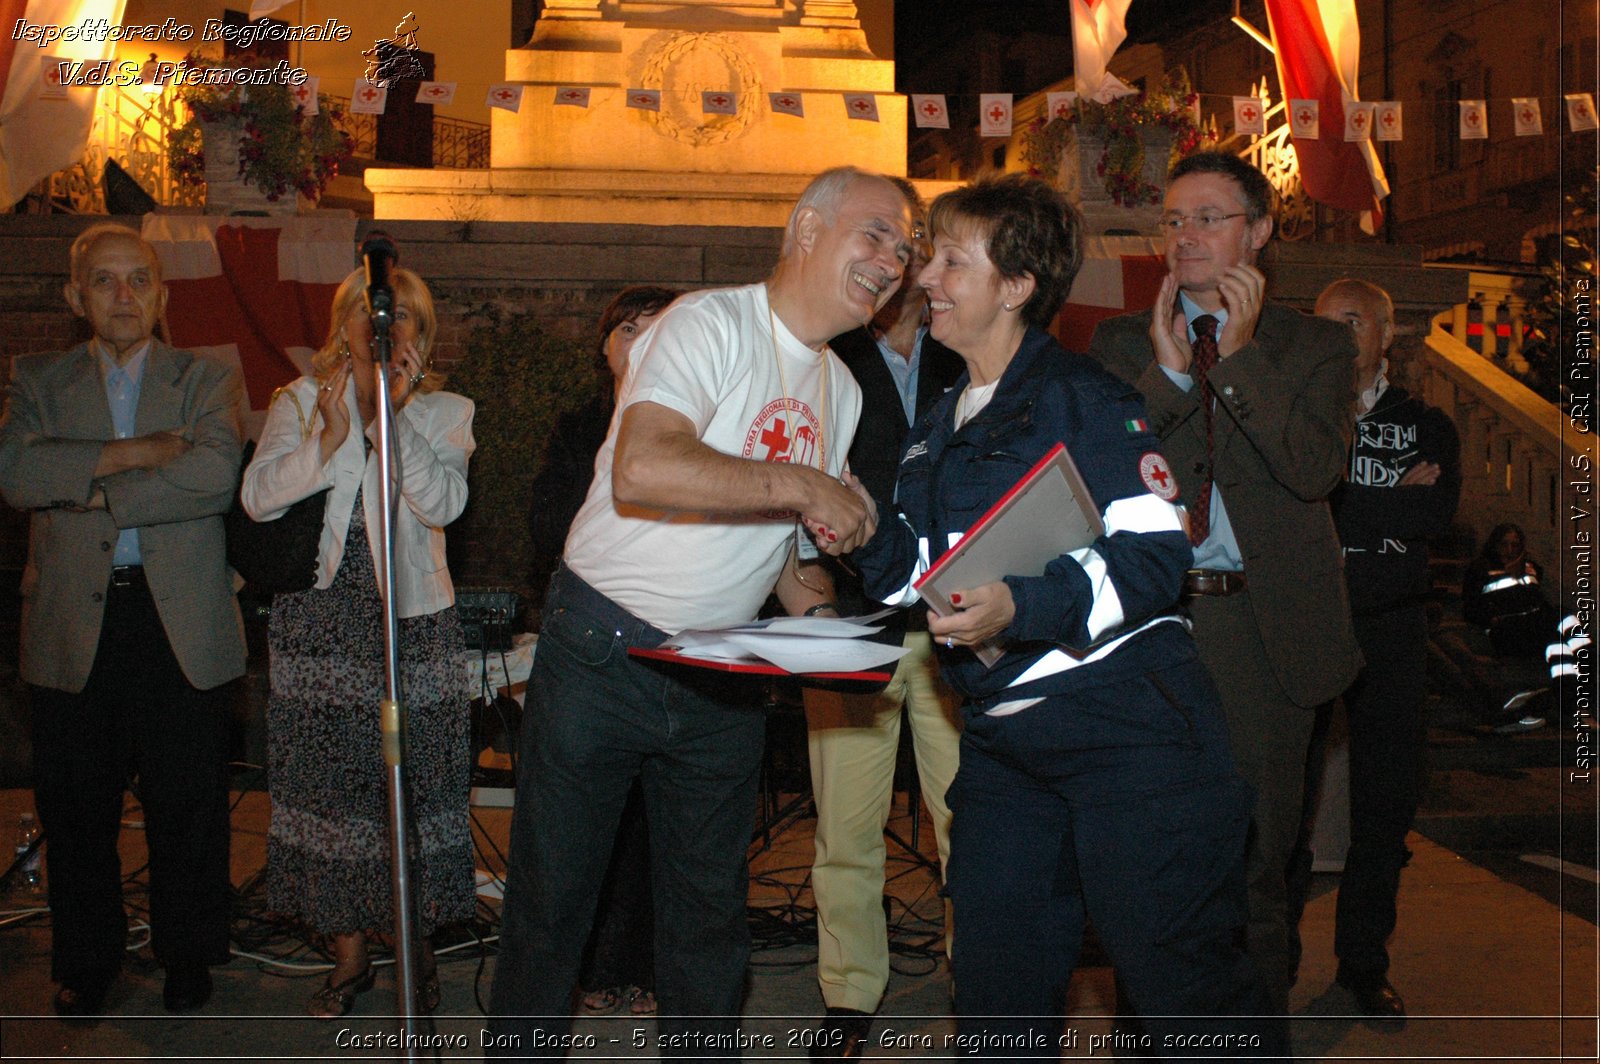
(679, 117)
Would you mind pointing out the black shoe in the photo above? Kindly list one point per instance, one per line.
(82, 996)
(841, 1034)
(1375, 996)
(188, 987)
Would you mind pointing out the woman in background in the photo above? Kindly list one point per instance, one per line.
(328, 853)
(619, 960)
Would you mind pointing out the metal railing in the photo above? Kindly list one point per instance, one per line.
(457, 143)
(130, 128)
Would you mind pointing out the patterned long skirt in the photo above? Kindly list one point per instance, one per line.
(328, 853)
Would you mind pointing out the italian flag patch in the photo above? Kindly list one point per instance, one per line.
(1138, 424)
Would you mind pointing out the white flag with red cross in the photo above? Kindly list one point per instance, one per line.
(254, 292)
(1059, 104)
(1304, 119)
(1389, 120)
(572, 96)
(305, 95)
(1249, 116)
(506, 96)
(1357, 120)
(994, 110)
(1580, 111)
(436, 93)
(1474, 119)
(929, 111)
(861, 106)
(719, 102)
(1526, 119)
(368, 98)
(787, 103)
(645, 99)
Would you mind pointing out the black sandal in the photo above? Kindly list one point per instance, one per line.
(333, 1001)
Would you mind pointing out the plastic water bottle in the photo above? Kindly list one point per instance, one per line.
(28, 875)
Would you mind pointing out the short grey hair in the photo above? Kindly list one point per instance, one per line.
(1366, 290)
(824, 195)
(78, 257)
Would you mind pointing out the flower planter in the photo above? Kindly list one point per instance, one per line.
(226, 191)
(1102, 214)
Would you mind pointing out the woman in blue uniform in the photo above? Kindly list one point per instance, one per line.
(1096, 779)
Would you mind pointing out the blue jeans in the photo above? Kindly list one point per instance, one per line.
(597, 719)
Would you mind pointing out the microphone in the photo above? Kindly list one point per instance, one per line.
(378, 256)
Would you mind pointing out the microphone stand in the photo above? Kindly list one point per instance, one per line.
(380, 304)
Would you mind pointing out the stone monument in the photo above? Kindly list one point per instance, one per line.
(670, 162)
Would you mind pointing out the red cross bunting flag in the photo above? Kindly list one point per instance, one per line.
(719, 102)
(1249, 116)
(50, 84)
(1059, 104)
(1474, 123)
(1525, 117)
(1304, 116)
(928, 110)
(1357, 120)
(572, 96)
(305, 95)
(256, 292)
(645, 99)
(367, 98)
(861, 106)
(506, 96)
(1388, 121)
(1580, 111)
(787, 103)
(1317, 47)
(437, 93)
(994, 110)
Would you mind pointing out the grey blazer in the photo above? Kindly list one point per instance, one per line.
(55, 423)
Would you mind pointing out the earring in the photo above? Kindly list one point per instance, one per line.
(1006, 305)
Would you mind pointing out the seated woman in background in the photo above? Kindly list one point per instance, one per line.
(1096, 781)
(328, 853)
(1501, 593)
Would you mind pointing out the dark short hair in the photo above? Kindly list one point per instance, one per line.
(1254, 188)
(638, 301)
(1028, 227)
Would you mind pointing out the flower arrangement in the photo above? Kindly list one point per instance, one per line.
(1115, 124)
(282, 150)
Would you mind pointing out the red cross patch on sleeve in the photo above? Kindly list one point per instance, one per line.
(1157, 476)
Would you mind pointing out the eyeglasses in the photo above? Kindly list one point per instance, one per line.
(1204, 222)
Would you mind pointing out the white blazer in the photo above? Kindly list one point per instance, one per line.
(434, 435)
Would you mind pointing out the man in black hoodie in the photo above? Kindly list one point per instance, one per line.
(1400, 491)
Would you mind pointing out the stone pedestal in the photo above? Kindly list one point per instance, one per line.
(676, 164)
(1101, 213)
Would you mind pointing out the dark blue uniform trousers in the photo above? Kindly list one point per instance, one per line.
(1118, 802)
(597, 720)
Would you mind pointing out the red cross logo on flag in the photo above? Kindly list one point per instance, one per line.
(1247, 116)
(786, 103)
(1248, 113)
(368, 99)
(1389, 126)
(435, 91)
(1304, 118)
(994, 109)
(1580, 111)
(1304, 115)
(1528, 121)
(572, 94)
(507, 97)
(301, 94)
(52, 74)
(861, 105)
(1474, 123)
(369, 94)
(719, 103)
(503, 94)
(929, 111)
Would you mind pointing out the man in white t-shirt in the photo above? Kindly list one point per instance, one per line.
(723, 468)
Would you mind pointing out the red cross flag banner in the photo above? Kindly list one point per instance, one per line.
(40, 135)
(305, 95)
(437, 93)
(51, 87)
(1389, 120)
(257, 292)
(787, 103)
(1357, 120)
(994, 109)
(572, 96)
(861, 106)
(718, 102)
(1098, 29)
(1580, 111)
(1474, 119)
(645, 99)
(928, 110)
(1525, 117)
(1318, 52)
(1119, 274)
(1249, 116)
(1304, 119)
(368, 98)
(506, 96)
(1060, 104)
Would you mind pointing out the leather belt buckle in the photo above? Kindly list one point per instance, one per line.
(124, 576)
(1215, 582)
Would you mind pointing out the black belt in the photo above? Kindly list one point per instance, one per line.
(128, 576)
(1212, 582)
